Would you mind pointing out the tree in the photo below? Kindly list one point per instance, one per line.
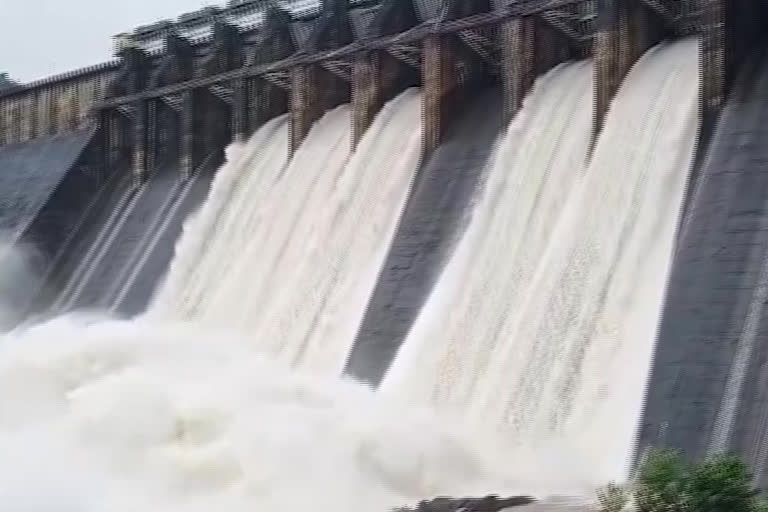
(664, 483)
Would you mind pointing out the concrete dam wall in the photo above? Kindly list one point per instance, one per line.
(706, 387)
(103, 166)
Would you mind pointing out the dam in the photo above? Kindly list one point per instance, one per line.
(394, 243)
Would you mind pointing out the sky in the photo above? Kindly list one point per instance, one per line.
(39, 38)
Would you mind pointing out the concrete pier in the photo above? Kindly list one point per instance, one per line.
(189, 156)
(141, 140)
(626, 29)
(440, 88)
(367, 92)
(306, 107)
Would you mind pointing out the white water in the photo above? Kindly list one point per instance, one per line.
(237, 194)
(185, 417)
(102, 416)
(20, 277)
(168, 413)
(543, 324)
(291, 261)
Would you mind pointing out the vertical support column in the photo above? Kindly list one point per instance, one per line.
(53, 110)
(712, 48)
(113, 127)
(188, 157)
(367, 94)
(305, 105)
(16, 120)
(239, 110)
(611, 59)
(440, 86)
(214, 123)
(145, 139)
(140, 138)
(625, 31)
(34, 115)
(153, 134)
(265, 101)
(518, 64)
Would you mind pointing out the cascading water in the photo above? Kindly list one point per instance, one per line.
(294, 261)
(543, 325)
(533, 171)
(121, 416)
(153, 415)
(566, 264)
(237, 195)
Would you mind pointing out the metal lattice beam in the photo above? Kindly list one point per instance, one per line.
(224, 93)
(409, 37)
(280, 79)
(127, 110)
(563, 22)
(340, 68)
(663, 9)
(486, 48)
(411, 55)
(173, 101)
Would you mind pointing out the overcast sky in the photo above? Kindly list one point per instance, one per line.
(44, 37)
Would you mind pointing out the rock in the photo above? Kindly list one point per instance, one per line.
(490, 503)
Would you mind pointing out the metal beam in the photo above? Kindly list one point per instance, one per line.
(411, 55)
(561, 21)
(481, 45)
(661, 8)
(414, 35)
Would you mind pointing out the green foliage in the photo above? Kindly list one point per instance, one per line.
(665, 483)
(661, 484)
(722, 483)
(612, 498)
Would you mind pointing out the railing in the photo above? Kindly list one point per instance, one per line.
(53, 105)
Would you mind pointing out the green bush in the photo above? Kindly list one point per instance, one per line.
(612, 498)
(664, 483)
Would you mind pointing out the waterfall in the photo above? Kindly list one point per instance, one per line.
(524, 372)
(543, 324)
(289, 252)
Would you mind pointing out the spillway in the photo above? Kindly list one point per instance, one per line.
(543, 323)
(102, 264)
(435, 216)
(122, 404)
(310, 236)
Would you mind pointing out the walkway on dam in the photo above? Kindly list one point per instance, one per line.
(709, 384)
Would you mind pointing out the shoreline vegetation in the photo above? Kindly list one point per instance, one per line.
(664, 482)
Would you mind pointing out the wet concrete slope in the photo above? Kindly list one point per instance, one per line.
(31, 171)
(709, 385)
(78, 244)
(124, 251)
(151, 259)
(434, 218)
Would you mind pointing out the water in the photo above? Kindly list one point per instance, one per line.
(124, 416)
(539, 333)
(290, 253)
(153, 415)
(543, 324)
(238, 193)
